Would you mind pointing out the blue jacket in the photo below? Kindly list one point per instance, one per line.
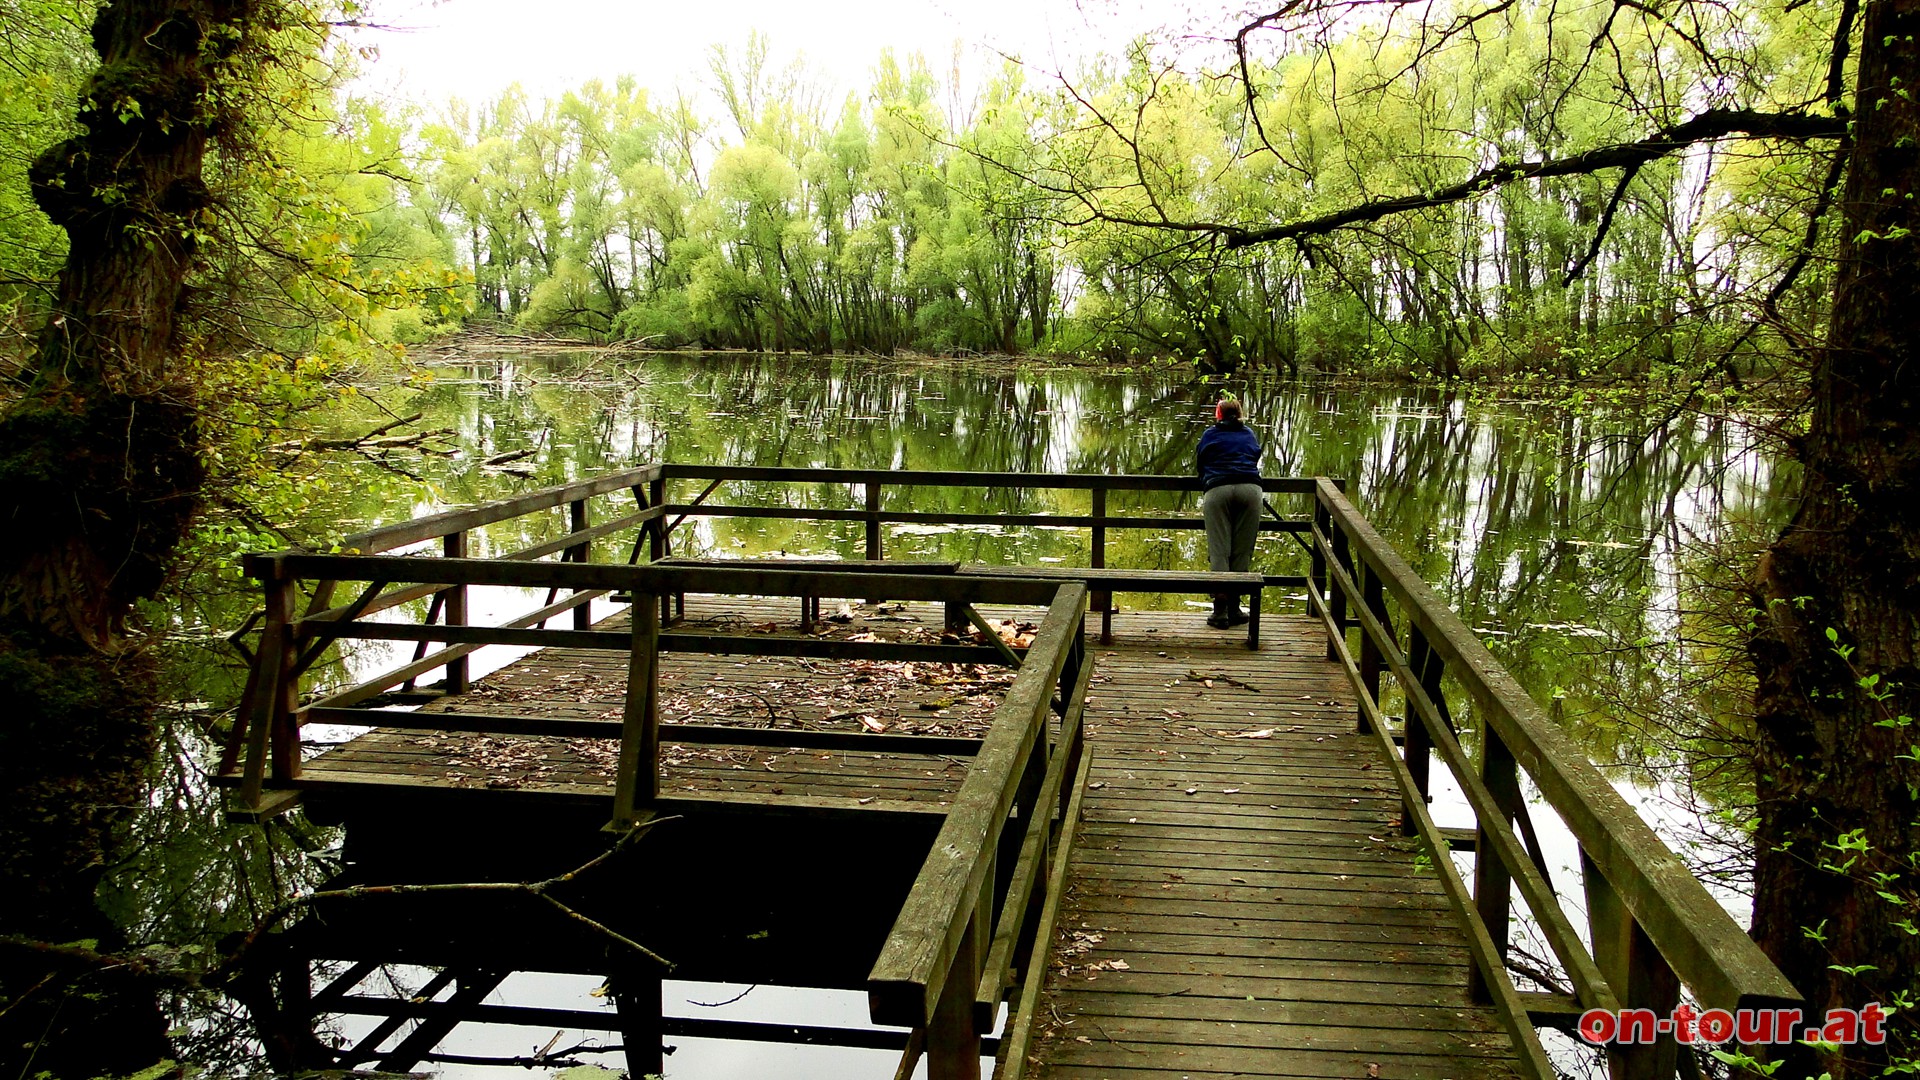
(1229, 454)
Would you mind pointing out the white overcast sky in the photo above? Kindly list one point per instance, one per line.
(476, 48)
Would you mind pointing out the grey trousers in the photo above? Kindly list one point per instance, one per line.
(1232, 514)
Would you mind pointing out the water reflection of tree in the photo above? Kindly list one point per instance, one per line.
(1508, 508)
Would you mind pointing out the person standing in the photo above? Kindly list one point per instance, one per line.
(1229, 466)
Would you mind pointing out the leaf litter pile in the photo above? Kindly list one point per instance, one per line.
(796, 693)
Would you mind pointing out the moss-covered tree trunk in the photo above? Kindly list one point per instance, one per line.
(100, 475)
(1840, 629)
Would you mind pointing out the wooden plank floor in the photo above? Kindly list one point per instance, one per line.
(758, 692)
(1240, 901)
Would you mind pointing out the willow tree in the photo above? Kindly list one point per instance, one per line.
(1835, 639)
(101, 474)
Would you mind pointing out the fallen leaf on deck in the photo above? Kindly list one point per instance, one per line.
(1263, 733)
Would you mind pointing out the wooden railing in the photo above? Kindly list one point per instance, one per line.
(992, 877)
(874, 483)
(265, 745)
(293, 640)
(970, 917)
(1653, 927)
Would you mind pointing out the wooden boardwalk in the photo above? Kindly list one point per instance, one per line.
(1239, 901)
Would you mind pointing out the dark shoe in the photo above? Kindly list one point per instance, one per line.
(1236, 617)
(1219, 620)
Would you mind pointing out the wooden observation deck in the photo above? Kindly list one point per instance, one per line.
(1166, 853)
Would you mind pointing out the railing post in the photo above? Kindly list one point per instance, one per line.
(1374, 596)
(1337, 600)
(1103, 601)
(660, 545)
(1492, 884)
(582, 552)
(1317, 571)
(636, 780)
(455, 545)
(874, 552)
(1639, 976)
(269, 709)
(953, 1043)
(640, 502)
(1418, 742)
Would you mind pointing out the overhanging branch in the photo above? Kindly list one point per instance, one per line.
(1706, 127)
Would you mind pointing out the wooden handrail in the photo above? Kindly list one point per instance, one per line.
(911, 976)
(930, 517)
(465, 519)
(649, 579)
(1590, 985)
(1704, 946)
(1488, 957)
(1279, 485)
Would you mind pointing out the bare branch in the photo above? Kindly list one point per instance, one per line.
(1600, 230)
(1705, 127)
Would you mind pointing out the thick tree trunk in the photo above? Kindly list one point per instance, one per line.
(1839, 599)
(100, 474)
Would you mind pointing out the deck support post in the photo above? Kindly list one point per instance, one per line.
(1639, 976)
(638, 1001)
(581, 552)
(1101, 601)
(637, 777)
(455, 547)
(1492, 882)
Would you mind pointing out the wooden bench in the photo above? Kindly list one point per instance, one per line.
(1105, 582)
(809, 605)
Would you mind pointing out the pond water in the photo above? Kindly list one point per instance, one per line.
(1571, 541)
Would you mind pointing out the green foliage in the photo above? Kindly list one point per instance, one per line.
(1021, 220)
(43, 59)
